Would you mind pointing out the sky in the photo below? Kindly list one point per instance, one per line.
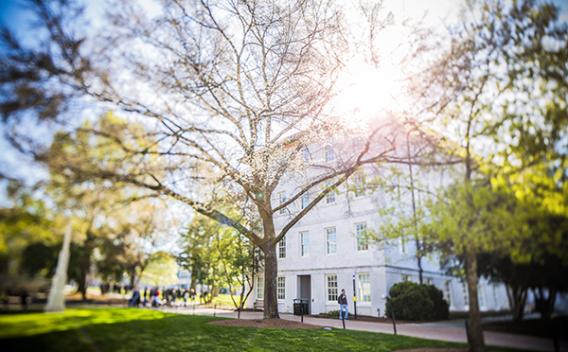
(436, 13)
(13, 15)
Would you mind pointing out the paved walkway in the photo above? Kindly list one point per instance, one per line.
(434, 331)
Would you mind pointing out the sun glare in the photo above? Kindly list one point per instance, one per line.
(366, 92)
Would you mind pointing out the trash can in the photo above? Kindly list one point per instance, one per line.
(300, 306)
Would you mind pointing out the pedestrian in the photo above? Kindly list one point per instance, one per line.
(135, 299)
(343, 309)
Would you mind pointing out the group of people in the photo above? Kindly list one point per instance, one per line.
(165, 297)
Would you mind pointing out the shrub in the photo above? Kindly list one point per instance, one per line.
(331, 314)
(412, 301)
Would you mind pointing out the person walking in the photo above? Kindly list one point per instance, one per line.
(343, 308)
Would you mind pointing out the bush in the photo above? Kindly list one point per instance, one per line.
(331, 314)
(412, 301)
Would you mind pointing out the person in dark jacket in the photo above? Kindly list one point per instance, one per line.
(343, 308)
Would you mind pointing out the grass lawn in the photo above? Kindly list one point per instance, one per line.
(122, 329)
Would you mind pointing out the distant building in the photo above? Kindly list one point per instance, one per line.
(327, 249)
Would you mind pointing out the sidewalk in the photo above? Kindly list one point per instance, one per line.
(434, 331)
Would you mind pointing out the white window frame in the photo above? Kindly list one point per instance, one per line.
(281, 288)
(364, 285)
(282, 199)
(402, 244)
(481, 297)
(330, 244)
(306, 154)
(358, 184)
(465, 293)
(405, 278)
(282, 248)
(330, 197)
(304, 243)
(260, 288)
(329, 153)
(448, 292)
(362, 243)
(331, 288)
(304, 200)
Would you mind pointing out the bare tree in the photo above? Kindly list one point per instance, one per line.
(232, 93)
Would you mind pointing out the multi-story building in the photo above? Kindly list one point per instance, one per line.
(330, 249)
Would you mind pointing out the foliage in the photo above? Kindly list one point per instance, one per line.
(412, 301)
(161, 270)
(219, 256)
(240, 88)
(136, 330)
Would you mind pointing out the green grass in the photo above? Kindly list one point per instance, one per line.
(120, 329)
(224, 301)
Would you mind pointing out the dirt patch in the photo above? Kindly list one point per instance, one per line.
(431, 349)
(264, 323)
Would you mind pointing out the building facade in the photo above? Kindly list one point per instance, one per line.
(330, 249)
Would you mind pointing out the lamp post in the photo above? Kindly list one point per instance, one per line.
(354, 298)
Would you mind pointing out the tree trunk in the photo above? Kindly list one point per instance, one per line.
(544, 304)
(419, 261)
(270, 275)
(517, 296)
(475, 335)
(82, 284)
(133, 278)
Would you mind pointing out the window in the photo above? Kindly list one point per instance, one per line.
(330, 197)
(429, 281)
(282, 199)
(364, 289)
(358, 146)
(481, 296)
(329, 154)
(405, 278)
(448, 292)
(330, 240)
(305, 200)
(362, 240)
(306, 154)
(331, 281)
(260, 287)
(282, 248)
(402, 242)
(304, 243)
(358, 184)
(281, 287)
(465, 294)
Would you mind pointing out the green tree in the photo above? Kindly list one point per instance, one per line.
(26, 224)
(501, 90)
(161, 270)
(219, 256)
(103, 210)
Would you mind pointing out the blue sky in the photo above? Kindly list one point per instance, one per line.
(13, 15)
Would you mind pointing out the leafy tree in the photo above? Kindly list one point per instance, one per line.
(26, 222)
(219, 256)
(103, 210)
(538, 262)
(501, 91)
(161, 270)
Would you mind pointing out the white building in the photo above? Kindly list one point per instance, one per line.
(326, 252)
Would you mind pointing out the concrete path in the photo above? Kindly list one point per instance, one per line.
(434, 331)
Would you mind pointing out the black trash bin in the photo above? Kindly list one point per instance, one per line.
(300, 306)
